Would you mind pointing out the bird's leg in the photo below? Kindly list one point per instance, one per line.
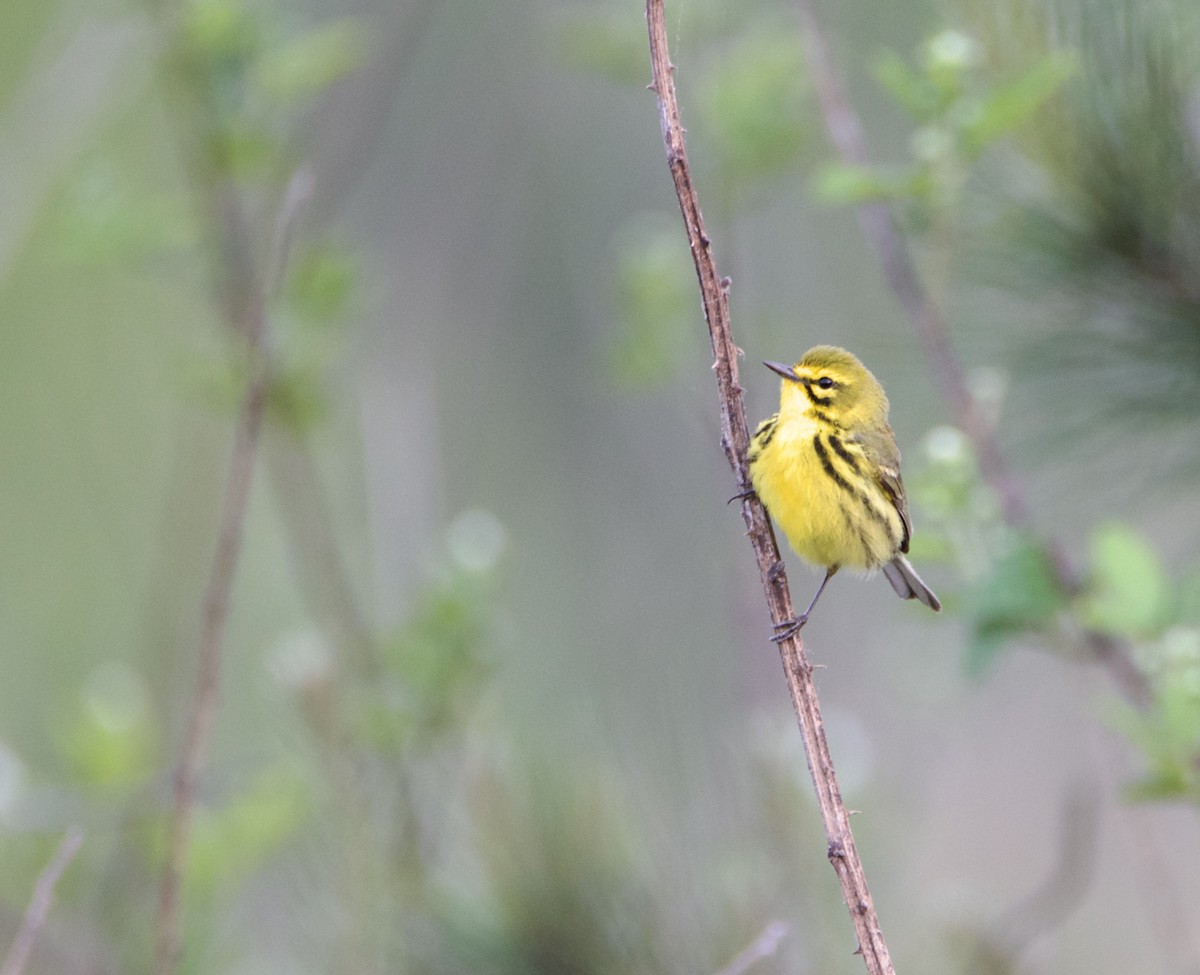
(789, 628)
(829, 573)
(775, 572)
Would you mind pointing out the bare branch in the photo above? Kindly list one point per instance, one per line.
(735, 438)
(39, 903)
(169, 924)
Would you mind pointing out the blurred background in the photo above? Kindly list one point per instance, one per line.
(496, 692)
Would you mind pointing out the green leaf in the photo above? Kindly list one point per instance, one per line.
(1021, 593)
(1167, 730)
(1129, 593)
(319, 284)
(984, 647)
(296, 396)
(221, 30)
(242, 150)
(656, 294)
(845, 185)
(232, 841)
(313, 61)
(755, 105)
(914, 93)
(1007, 107)
(109, 741)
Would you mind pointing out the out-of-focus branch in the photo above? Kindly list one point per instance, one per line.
(40, 901)
(764, 946)
(169, 923)
(1066, 886)
(846, 133)
(317, 561)
(735, 438)
(244, 288)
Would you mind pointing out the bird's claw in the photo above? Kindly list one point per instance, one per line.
(787, 629)
(742, 495)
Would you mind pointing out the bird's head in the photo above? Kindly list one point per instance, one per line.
(831, 382)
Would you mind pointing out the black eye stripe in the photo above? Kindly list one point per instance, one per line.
(814, 398)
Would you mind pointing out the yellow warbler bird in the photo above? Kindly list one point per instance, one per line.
(827, 469)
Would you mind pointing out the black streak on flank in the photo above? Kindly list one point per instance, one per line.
(827, 465)
(766, 431)
(839, 448)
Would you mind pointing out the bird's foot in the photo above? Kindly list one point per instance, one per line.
(788, 628)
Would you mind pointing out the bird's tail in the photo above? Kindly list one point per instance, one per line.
(908, 584)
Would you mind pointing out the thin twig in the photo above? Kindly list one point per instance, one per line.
(875, 217)
(40, 901)
(1062, 892)
(320, 569)
(764, 946)
(243, 289)
(735, 438)
(169, 924)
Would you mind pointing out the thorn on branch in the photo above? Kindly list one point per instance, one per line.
(801, 669)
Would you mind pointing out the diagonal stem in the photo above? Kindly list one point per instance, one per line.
(39, 903)
(735, 438)
(169, 924)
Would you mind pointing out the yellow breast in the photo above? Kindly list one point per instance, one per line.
(831, 513)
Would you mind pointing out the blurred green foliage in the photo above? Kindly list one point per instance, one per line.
(1168, 732)
(752, 102)
(110, 742)
(959, 113)
(237, 838)
(1015, 595)
(1129, 593)
(656, 300)
(1020, 595)
(745, 95)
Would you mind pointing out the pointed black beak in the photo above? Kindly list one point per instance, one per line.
(785, 371)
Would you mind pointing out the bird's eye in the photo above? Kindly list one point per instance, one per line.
(825, 382)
